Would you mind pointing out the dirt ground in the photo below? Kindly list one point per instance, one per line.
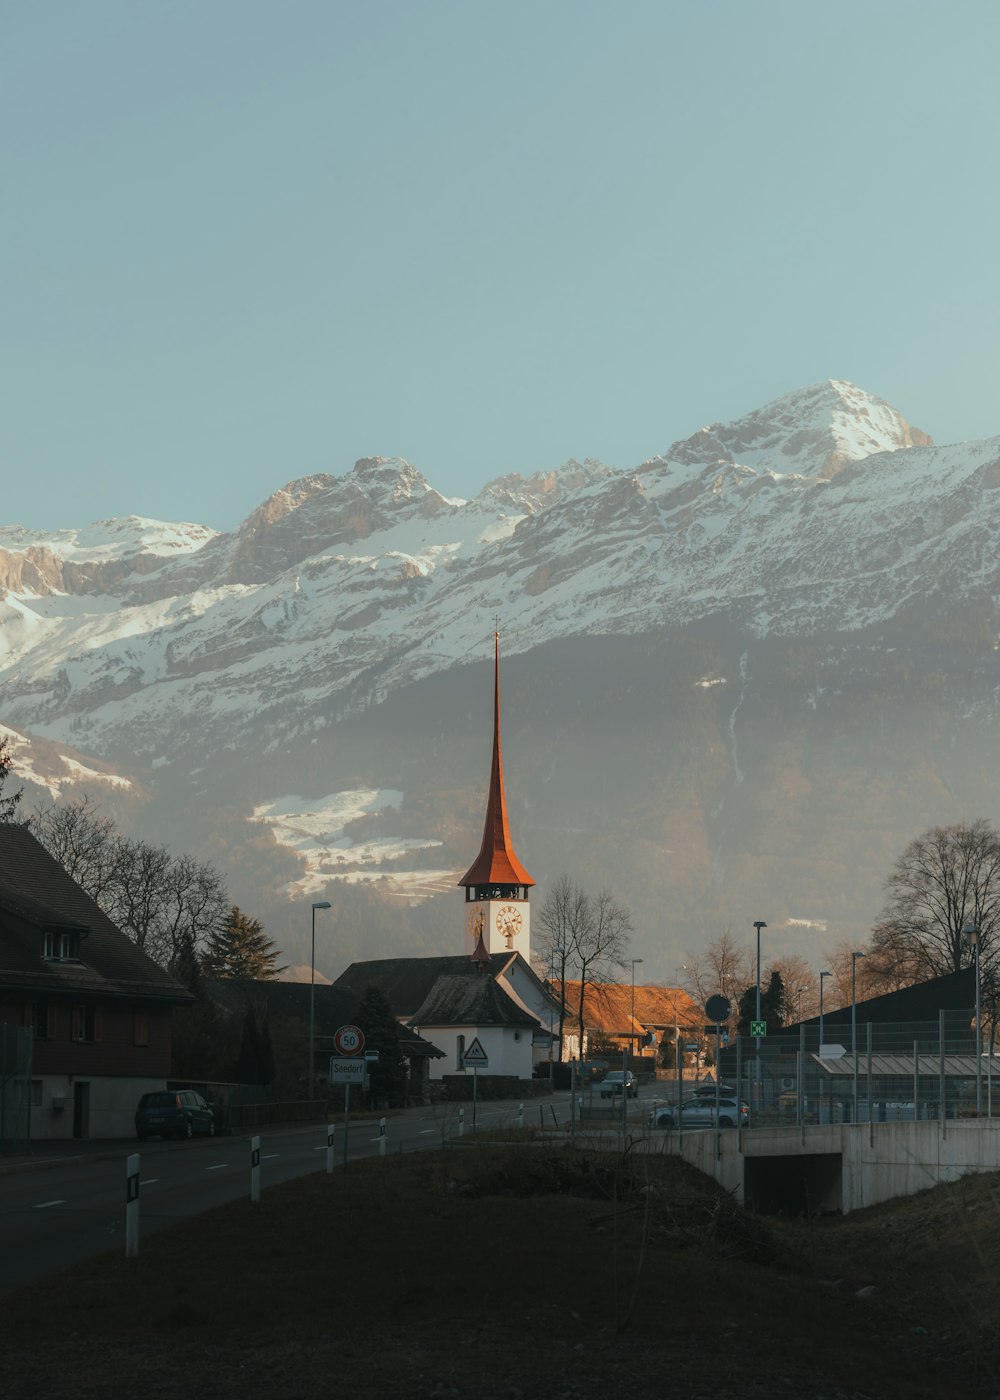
(517, 1274)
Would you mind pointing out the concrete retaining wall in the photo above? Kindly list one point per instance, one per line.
(878, 1161)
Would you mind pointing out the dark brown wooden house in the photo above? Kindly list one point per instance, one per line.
(97, 1008)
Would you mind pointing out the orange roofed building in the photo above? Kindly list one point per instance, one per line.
(664, 1013)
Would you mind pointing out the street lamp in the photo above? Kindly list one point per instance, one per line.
(320, 904)
(560, 953)
(972, 933)
(854, 1029)
(821, 976)
(631, 1033)
(758, 925)
(681, 967)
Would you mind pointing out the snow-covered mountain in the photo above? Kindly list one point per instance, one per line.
(170, 647)
(338, 590)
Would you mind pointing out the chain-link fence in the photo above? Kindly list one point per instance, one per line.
(870, 1072)
(15, 1087)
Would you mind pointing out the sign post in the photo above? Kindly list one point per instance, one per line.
(476, 1057)
(132, 1206)
(349, 1042)
(720, 1008)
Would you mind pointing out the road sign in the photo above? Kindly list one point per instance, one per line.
(349, 1040)
(348, 1069)
(758, 1028)
(475, 1056)
(718, 1007)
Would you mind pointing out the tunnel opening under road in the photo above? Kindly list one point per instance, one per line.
(810, 1184)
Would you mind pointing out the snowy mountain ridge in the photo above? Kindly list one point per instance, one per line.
(824, 510)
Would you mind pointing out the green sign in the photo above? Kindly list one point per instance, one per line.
(758, 1028)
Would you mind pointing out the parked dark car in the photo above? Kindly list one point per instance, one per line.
(177, 1113)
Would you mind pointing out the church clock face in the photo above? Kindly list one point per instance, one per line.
(475, 922)
(509, 923)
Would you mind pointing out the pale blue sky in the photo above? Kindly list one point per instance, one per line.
(245, 240)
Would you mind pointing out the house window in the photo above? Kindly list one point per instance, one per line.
(59, 946)
(140, 1028)
(40, 1018)
(88, 1024)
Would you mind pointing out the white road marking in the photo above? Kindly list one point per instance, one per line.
(427, 1130)
(150, 1182)
(45, 1204)
(219, 1167)
(268, 1155)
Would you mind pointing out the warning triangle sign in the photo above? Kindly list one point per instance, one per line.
(475, 1055)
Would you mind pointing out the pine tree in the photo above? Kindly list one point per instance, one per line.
(240, 948)
(390, 1075)
(8, 805)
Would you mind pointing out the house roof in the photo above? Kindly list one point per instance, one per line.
(289, 1001)
(607, 1007)
(496, 863)
(470, 999)
(37, 894)
(956, 991)
(406, 982)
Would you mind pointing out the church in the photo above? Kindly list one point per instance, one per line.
(486, 999)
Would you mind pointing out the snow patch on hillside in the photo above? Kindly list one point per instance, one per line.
(316, 830)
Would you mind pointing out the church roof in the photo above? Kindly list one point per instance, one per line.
(496, 863)
(406, 982)
(470, 999)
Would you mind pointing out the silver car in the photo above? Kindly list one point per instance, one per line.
(699, 1112)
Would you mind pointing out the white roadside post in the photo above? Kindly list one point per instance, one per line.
(381, 1137)
(255, 1169)
(520, 1115)
(132, 1206)
(461, 1122)
(330, 1132)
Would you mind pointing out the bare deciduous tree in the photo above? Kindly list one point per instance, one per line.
(946, 879)
(589, 933)
(167, 905)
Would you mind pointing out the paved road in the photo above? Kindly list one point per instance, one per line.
(66, 1202)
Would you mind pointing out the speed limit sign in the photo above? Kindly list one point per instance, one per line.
(349, 1040)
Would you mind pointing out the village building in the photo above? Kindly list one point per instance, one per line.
(85, 1014)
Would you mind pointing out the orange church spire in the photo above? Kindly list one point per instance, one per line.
(496, 863)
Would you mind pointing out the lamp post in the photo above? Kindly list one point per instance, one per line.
(631, 1032)
(560, 953)
(821, 976)
(972, 933)
(320, 904)
(854, 1028)
(681, 967)
(758, 925)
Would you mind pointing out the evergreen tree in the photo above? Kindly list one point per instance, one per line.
(773, 1005)
(239, 948)
(8, 805)
(390, 1075)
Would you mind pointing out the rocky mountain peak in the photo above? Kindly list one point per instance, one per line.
(815, 431)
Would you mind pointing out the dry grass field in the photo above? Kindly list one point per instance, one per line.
(520, 1273)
